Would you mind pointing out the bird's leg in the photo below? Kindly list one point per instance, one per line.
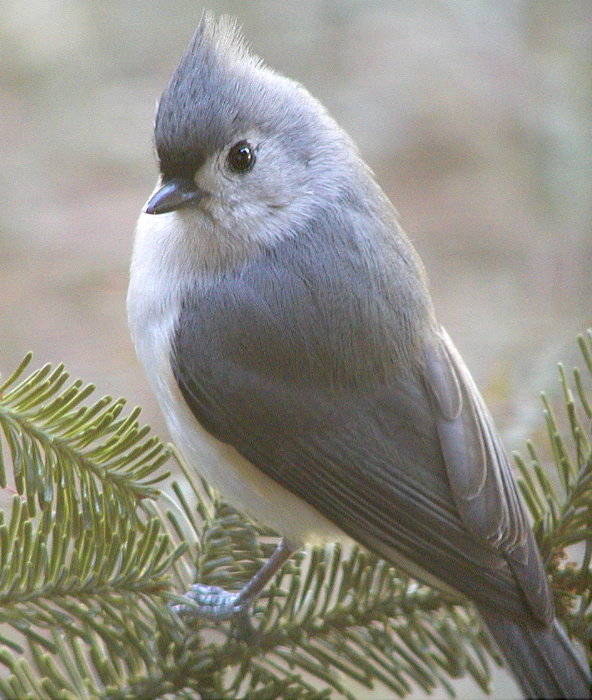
(216, 604)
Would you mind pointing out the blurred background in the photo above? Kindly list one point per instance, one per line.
(475, 116)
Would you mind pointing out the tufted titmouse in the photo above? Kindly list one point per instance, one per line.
(284, 321)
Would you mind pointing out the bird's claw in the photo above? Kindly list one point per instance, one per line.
(214, 604)
(210, 603)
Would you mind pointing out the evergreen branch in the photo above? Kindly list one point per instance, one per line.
(57, 441)
(55, 574)
(89, 563)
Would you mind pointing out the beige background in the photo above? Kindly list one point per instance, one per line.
(474, 115)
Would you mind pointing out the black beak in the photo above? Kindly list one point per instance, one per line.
(174, 194)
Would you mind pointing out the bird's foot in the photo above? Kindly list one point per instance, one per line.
(214, 604)
(211, 603)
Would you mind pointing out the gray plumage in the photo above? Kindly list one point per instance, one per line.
(289, 312)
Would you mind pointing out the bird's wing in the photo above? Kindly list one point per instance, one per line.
(480, 476)
(403, 459)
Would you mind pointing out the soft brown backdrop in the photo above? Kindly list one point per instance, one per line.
(474, 115)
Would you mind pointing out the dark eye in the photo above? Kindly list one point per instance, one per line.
(241, 157)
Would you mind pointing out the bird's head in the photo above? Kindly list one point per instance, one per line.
(241, 149)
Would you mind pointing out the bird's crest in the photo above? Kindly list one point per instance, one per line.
(218, 39)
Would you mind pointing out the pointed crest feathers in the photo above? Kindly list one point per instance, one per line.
(219, 38)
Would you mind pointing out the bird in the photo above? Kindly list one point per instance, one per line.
(284, 321)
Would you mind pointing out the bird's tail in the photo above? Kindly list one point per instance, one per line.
(543, 660)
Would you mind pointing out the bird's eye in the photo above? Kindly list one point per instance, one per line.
(241, 157)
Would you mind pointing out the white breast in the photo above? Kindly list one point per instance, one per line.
(164, 267)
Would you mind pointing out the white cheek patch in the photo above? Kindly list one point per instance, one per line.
(259, 206)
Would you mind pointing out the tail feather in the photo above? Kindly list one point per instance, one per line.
(543, 660)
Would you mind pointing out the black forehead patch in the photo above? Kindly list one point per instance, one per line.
(207, 98)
